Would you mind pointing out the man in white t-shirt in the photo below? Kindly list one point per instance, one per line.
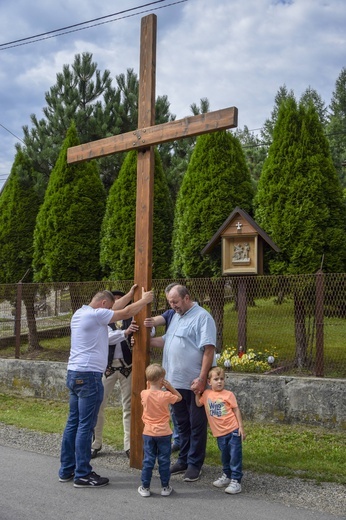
(87, 362)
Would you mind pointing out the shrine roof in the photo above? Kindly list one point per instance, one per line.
(238, 211)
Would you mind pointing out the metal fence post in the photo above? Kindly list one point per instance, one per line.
(18, 318)
(319, 310)
(242, 314)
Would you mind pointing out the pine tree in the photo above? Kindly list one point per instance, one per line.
(86, 96)
(118, 229)
(67, 233)
(76, 96)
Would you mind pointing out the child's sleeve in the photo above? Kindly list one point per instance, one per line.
(232, 400)
(173, 398)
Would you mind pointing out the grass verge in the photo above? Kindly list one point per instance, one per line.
(284, 450)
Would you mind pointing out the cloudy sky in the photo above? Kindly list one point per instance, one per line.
(234, 52)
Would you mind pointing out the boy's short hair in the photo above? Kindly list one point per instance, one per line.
(218, 371)
(154, 372)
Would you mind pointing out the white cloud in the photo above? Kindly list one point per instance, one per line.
(233, 53)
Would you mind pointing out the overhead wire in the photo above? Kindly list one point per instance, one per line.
(77, 27)
(9, 131)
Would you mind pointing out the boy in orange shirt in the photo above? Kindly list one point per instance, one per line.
(157, 433)
(226, 425)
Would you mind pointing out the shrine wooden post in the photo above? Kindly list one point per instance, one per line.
(144, 139)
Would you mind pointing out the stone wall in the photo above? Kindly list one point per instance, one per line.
(285, 399)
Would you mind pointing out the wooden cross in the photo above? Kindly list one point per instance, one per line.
(144, 139)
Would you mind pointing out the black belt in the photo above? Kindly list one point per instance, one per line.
(124, 370)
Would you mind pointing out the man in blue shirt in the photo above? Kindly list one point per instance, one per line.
(189, 352)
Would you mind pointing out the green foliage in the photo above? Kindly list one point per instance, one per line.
(336, 128)
(217, 180)
(299, 199)
(75, 97)
(311, 96)
(268, 128)
(255, 152)
(67, 234)
(118, 229)
(19, 205)
(86, 96)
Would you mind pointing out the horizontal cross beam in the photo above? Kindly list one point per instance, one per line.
(153, 135)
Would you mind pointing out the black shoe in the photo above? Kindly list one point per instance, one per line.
(94, 452)
(192, 474)
(91, 480)
(127, 453)
(175, 447)
(178, 468)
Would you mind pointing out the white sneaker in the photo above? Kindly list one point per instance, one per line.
(223, 481)
(144, 492)
(233, 488)
(166, 491)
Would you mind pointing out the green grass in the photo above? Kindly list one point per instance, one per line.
(272, 326)
(285, 450)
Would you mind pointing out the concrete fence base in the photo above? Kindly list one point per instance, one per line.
(280, 399)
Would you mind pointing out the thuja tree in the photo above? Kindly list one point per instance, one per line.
(118, 229)
(299, 204)
(67, 233)
(216, 181)
(19, 205)
(336, 128)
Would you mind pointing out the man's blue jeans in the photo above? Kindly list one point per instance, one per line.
(230, 446)
(160, 448)
(86, 395)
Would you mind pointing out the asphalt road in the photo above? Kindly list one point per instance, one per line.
(30, 490)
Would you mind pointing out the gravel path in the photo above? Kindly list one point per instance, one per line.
(326, 497)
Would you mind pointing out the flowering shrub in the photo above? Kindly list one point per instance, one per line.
(249, 361)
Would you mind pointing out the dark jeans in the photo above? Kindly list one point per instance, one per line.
(156, 448)
(86, 395)
(175, 436)
(230, 446)
(192, 426)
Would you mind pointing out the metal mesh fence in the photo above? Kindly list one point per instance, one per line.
(300, 321)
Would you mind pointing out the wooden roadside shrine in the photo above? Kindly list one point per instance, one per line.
(144, 139)
(243, 242)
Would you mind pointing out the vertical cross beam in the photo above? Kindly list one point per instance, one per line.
(144, 227)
